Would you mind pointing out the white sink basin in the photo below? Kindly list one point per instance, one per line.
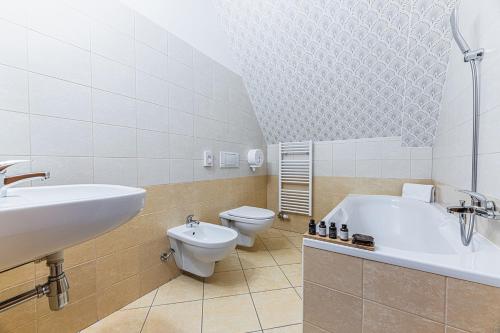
(38, 221)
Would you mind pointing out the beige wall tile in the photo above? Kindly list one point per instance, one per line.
(225, 284)
(406, 289)
(71, 319)
(144, 301)
(182, 289)
(17, 276)
(266, 278)
(270, 309)
(21, 314)
(331, 310)
(116, 267)
(333, 270)
(382, 319)
(473, 307)
(129, 321)
(230, 314)
(157, 275)
(178, 318)
(79, 254)
(117, 296)
(150, 252)
(29, 327)
(450, 329)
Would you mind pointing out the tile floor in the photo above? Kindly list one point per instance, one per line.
(253, 290)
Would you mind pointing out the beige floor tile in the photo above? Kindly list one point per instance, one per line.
(233, 314)
(266, 278)
(286, 329)
(287, 256)
(231, 263)
(293, 273)
(125, 321)
(144, 301)
(296, 241)
(289, 233)
(178, 318)
(181, 289)
(270, 233)
(256, 259)
(225, 284)
(278, 308)
(300, 291)
(277, 243)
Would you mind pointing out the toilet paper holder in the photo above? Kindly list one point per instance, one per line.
(255, 158)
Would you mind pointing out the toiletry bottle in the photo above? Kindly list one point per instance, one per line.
(344, 233)
(322, 229)
(332, 231)
(312, 227)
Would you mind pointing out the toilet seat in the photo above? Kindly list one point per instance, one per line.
(247, 213)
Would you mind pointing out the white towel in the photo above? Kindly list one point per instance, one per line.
(420, 192)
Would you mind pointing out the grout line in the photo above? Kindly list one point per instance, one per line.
(251, 297)
(149, 310)
(202, 303)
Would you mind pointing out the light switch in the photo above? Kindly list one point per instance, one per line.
(208, 158)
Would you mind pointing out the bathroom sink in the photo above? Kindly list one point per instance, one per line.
(38, 221)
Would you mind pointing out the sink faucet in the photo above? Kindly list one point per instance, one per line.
(7, 182)
(190, 222)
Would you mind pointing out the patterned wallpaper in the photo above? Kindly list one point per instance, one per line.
(342, 69)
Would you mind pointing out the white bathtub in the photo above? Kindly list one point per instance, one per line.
(416, 235)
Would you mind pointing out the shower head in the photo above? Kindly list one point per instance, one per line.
(455, 29)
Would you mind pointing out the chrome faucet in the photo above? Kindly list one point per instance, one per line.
(190, 222)
(9, 181)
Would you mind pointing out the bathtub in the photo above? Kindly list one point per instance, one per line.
(415, 235)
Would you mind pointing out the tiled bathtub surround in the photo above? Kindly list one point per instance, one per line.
(94, 92)
(453, 144)
(112, 270)
(364, 166)
(367, 296)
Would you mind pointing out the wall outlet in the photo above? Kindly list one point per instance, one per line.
(208, 158)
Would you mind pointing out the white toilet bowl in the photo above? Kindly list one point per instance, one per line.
(197, 248)
(248, 222)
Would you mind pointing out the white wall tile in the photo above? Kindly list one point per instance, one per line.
(180, 74)
(54, 97)
(181, 171)
(421, 153)
(202, 64)
(421, 169)
(181, 99)
(60, 137)
(369, 168)
(113, 109)
(112, 44)
(204, 106)
(393, 150)
(116, 171)
(152, 144)
(180, 50)
(322, 168)
(180, 123)
(203, 84)
(150, 34)
(15, 133)
(369, 150)
(112, 76)
(14, 11)
(153, 171)
(51, 57)
(181, 146)
(151, 89)
(13, 89)
(55, 18)
(322, 151)
(13, 40)
(152, 116)
(64, 170)
(151, 61)
(344, 151)
(344, 168)
(396, 168)
(114, 141)
(201, 172)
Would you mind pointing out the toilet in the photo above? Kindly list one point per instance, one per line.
(248, 222)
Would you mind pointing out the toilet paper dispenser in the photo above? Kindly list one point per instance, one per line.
(255, 158)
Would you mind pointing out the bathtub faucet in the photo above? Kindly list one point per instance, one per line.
(480, 206)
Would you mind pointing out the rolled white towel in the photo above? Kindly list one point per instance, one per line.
(420, 192)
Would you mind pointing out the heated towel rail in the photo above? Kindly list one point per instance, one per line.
(295, 177)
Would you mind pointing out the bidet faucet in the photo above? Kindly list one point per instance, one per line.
(7, 182)
(190, 222)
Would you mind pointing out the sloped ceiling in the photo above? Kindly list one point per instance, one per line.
(342, 69)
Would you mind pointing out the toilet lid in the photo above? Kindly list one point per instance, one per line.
(251, 213)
